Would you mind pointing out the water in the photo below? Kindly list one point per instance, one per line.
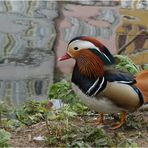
(27, 35)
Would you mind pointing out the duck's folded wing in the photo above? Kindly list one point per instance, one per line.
(113, 75)
(123, 95)
(121, 91)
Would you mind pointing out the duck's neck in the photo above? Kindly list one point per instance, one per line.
(91, 86)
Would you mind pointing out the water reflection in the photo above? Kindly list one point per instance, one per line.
(27, 34)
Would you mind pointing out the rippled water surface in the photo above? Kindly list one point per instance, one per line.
(27, 34)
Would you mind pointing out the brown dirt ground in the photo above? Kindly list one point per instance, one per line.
(24, 137)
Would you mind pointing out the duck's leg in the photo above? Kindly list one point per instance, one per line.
(123, 119)
(100, 119)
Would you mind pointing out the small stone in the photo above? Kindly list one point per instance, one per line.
(39, 138)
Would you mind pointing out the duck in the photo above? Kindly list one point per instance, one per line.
(99, 84)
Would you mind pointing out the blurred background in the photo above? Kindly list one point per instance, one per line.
(33, 34)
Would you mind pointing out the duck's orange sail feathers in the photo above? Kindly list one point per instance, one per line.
(142, 83)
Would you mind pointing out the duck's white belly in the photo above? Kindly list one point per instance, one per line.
(102, 104)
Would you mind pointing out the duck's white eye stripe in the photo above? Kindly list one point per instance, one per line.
(82, 44)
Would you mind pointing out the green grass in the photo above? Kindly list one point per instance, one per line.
(4, 138)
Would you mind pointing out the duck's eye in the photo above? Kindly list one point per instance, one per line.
(76, 48)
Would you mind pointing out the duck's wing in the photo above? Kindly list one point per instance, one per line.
(121, 91)
(113, 75)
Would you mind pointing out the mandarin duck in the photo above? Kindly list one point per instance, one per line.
(100, 86)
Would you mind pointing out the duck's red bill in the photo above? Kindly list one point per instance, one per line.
(65, 57)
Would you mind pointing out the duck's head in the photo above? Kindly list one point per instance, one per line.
(90, 55)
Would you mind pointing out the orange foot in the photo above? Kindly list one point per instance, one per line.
(123, 119)
(100, 119)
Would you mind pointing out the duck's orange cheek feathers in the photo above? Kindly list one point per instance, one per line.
(73, 53)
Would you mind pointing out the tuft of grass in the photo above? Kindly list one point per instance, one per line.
(125, 64)
(63, 90)
(33, 112)
(70, 135)
(133, 120)
(4, 138)
(4, 111)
